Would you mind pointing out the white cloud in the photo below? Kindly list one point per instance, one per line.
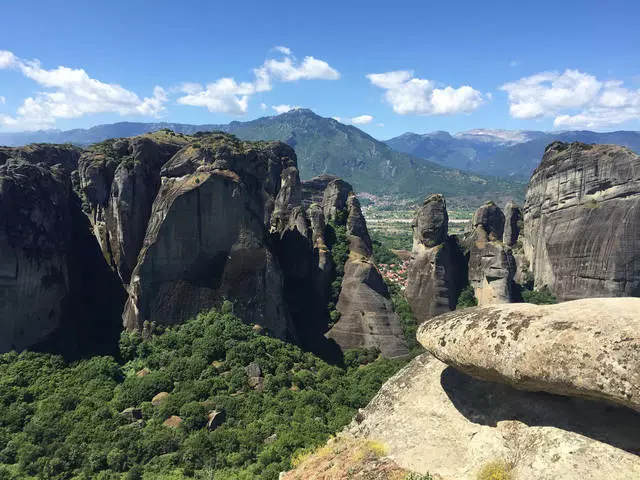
(7, 59)
(73, 93)
(225, 95)
(362, 120)
(263, 106)
(288, 70)
(380, 125)
(574, 98)
(281, 49)
(3, 100)
(410, 95)
(284, 108)
(337, 119)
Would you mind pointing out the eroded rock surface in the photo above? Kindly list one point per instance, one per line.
(119, 180)
(582, 221)
(434, 419)
(367, 318)
(34, 245)
(491, 264)
(208, 236)
(433, 281)
(584, 348)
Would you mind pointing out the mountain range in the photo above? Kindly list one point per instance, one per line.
(503, 153)
(323, 146)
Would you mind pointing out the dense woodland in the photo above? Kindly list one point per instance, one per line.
(65, 421)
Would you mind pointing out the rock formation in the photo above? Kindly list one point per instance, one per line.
(207, 239)
(433, 419)
(491, 264)
(120, 180)
(185, 223)
(34, 248)
(585, 348)
(582, 221)
(513, 223)
(433, 281)
(366, 316)
(54, 287)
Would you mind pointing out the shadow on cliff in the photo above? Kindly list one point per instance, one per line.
(306, 295)
(92, 324)
(488, 403)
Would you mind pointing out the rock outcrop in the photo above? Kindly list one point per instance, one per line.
(55, 291)
(582, 221)
(184, 223)
(584, 348)
(513, 224)
(34, 247)
(119, 180)
(491, 264)
(208, 236)
(433, 276)
(433, 419)
(366, 315)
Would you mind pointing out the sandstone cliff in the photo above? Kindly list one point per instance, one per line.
(119, 180)
(54, 289)
(366, 317)
(437, 268)
(582, 221)
(208, 235)
(491, 263)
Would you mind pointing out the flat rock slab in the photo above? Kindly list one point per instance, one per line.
(434, 419)
(585, 348)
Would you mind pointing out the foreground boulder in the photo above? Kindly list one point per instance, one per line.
(581, 221)
(433, 276)
(585, 348)
(433, 419)
(491, 264)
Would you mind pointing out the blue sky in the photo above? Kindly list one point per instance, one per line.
(410, 66)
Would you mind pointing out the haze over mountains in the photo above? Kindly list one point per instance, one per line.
(504, 153)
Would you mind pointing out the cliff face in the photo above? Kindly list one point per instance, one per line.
(582, 221)
(491, 264)
(55, 291)
(120, 180)
(34, 244)
(433, 279)
(366, 315)
(184, 223)
(208, 240)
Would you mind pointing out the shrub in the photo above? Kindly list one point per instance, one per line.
(467, 298)
(497, 470)
(539, 297)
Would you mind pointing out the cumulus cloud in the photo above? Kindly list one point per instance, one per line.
(73, 93)
(263, 106)
(362, 120)
(284, 108)
(281, 49)
(225, 95)
(574, 98)
(410, 95)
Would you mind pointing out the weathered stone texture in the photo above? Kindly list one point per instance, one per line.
(582, 221)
